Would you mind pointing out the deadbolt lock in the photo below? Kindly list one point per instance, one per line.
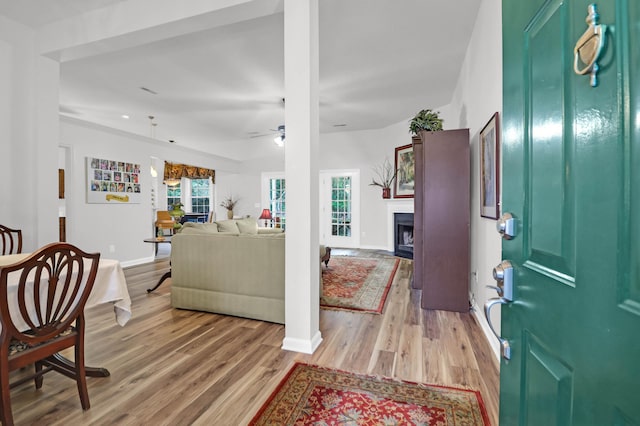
(506, 226)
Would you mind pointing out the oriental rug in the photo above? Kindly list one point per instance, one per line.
(311, 395)
(357, 283)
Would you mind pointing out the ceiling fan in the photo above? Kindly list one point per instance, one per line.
(278, 138)
(279, 132)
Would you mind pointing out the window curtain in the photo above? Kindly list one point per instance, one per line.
(174, 171)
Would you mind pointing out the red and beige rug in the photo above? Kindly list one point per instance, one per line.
(311, 395)
(357, 283)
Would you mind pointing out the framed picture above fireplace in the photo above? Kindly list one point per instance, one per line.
(405, 172)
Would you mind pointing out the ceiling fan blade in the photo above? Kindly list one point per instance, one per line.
(272, 132)
(259, 135)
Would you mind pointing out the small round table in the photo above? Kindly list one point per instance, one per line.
(167, 274)
(156, 241)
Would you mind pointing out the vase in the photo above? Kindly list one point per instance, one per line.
(386, 193)
(229, 214)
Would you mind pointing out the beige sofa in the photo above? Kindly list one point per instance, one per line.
(239, 271)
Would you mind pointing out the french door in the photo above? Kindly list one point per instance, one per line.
(340, 208)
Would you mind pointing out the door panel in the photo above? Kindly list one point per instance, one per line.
(571, 176)
(549, 391)
(629, 62)
(549, 221)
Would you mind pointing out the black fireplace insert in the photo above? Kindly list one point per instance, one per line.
(403, 235)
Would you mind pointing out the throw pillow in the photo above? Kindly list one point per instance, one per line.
(247, 225)
(186, 231)
(199, 228)
(228, 226)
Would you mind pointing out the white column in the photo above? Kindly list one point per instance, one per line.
(302, 270)
(47, 141)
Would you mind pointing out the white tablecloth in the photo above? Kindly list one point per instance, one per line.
(110, 286)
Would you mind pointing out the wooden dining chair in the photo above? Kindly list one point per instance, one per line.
(11, 240)
(42, 301)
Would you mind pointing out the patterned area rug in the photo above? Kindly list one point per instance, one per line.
(311, 395)
(357, 283)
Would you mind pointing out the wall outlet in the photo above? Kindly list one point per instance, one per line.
(112, 248)
(475, 277)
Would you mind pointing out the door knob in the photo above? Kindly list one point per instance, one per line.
(505, 348)
(506, 226)
(503, 274)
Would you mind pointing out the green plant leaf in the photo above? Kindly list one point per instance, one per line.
(426, 119)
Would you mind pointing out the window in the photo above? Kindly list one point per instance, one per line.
(275, 192)
(277, 205)
(173, 195)
(194, 194)
(200, 195)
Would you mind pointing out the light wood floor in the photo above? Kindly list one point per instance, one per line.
(174, 367)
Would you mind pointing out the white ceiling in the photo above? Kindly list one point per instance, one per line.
(380, 62)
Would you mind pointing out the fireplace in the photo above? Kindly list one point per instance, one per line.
(403, 235)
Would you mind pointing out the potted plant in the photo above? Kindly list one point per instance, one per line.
(229, 203)
(426, 120)
(384, 177)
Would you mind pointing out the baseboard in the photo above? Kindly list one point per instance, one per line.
(136, 262)
(302, 345)
(484, 325)
(383, 248)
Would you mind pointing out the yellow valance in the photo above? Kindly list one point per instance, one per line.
(174, 172)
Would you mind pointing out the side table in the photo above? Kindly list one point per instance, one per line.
(156, 241)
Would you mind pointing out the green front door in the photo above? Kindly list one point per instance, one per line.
(571, 177)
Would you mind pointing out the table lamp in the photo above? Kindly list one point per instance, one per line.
(266, 216)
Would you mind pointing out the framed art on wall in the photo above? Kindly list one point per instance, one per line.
(405, 172)
(490, 169)
(112, 182)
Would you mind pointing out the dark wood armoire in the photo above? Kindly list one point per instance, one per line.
(441, 219)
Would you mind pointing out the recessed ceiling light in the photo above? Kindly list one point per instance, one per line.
(125, 116)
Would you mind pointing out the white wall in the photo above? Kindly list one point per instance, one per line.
(344, 150)
(477, 97)
(99, 227)
(123, 227)
(243, 187)
(14, 42)
(248, 182)
(360, 150)
(363, 150)
(28, 136)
